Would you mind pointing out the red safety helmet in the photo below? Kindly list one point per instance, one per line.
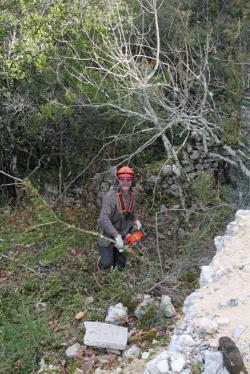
(125, 172)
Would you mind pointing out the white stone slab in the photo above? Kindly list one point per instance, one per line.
(104, 335)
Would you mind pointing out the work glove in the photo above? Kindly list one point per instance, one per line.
(138, 224)
(119, 243)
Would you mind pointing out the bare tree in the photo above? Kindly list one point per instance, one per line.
(162, 90)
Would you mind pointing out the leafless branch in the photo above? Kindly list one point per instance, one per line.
(143, 81)
(11, 176)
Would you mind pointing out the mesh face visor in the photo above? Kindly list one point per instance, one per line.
(125, 172)
(125, 176)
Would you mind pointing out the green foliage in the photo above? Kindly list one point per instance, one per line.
(49, 264)
(203, 191)
(44, 120)
(22, 336)
(224, 23)
(188, 233)
(147, 336)
(200, 228)
(37, 119)
(43, 269)
(190, 278)
(54, 266)
(114, 283)
(196, 367)
(149, 318)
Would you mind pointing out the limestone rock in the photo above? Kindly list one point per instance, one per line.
(182, 343)
(177, 364)
(195, 155)
(166, 362)
(163, 367)
(72, 351)
(104, 335)
(117, 314)
(214, 363)
(207, 326)
(132, 351)
(222, 321)
(167, 307)
(143, 307)
(238, 330)
(167, 170)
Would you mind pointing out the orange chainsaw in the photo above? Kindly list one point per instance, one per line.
(134, 237)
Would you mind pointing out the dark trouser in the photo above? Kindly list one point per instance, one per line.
(110, 256)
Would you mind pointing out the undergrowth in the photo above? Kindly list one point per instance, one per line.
(49, 272)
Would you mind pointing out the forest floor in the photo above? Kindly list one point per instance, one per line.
(48, 274)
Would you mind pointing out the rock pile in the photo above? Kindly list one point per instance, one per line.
(221, 307)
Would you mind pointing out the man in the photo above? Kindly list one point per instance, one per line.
(118, 216)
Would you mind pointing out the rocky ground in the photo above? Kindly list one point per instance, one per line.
(32, 276)
(220, 307)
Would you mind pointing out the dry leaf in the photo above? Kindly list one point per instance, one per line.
(139, 297)
(80, 315)
(73, 251)
(81, 352)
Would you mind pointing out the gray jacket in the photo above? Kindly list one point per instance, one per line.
(111, 220)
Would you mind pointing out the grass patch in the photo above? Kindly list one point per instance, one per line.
(49, 273)
(43, 283)
(23, 336)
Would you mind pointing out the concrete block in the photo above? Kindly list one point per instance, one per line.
(104, 335)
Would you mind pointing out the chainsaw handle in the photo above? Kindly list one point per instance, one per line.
(144, 231)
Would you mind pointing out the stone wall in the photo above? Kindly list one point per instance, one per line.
(89, 194)
(194, 159)
(51, 194)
